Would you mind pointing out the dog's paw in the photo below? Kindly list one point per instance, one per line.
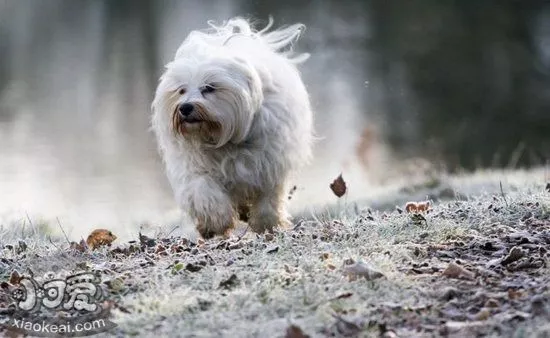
(205, 232)
(261, 223)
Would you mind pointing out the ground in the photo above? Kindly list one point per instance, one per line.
(475, 264)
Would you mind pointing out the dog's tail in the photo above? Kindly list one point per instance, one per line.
(279, 40)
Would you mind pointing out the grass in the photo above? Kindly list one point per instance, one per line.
(258, 286)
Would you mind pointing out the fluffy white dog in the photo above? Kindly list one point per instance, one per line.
(233, 120)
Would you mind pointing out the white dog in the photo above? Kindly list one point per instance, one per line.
(233, 120)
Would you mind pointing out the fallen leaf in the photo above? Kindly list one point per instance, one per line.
(15, 278)
(418, 219)
(193, 267)
(362, 269)
(177, 267)
(273, 249)
(22, 246)
(416, 207)
(146, 241)
(454, 270)
(515, 293)
(294, 331)
(491, 302)
(342, 296)
(100, 237)
(548, 186)
(514, 254)
(338, 186)
(230, 282)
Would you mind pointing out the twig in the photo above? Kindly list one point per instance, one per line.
(299, 224)
(50, 239)
(244, 233)
(502, 193)
(65, 234)
(29, 219)
(30, 223)
(177, 226)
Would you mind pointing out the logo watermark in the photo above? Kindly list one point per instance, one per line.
(68, 307)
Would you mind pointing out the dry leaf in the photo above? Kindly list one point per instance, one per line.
(492, 303)
(338, 186)
(15, 278)
(515, 294)
(100, 237)
(454, 270)
(146, 241)
(342, 296)
(294, 331)
(230, 282)
(514, 254)
(362, 269)
(416, 207)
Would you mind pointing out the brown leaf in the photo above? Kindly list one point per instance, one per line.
(454, 270)
(416, 207)
(15, 278)
(100, 237)
(294, 331)
(338, 186)
(515, 294)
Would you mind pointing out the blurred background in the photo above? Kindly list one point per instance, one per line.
(400, 88)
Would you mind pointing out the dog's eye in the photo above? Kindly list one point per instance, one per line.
(207, 89)
(181, 91)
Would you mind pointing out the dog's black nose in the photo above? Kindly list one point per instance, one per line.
(186, 109)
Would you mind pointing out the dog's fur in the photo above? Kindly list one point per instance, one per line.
(254, 129)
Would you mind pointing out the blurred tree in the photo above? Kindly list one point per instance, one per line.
(473, 72)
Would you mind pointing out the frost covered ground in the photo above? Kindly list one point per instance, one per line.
(476, 264)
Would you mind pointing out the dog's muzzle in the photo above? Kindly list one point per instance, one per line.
(187, 113)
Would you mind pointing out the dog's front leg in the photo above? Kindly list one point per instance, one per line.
(209, 204)
(268, 210)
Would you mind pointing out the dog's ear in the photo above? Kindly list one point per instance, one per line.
(253, 80)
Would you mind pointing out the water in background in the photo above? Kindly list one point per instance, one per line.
(77, 79)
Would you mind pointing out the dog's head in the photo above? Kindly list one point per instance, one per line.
(209, 98)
